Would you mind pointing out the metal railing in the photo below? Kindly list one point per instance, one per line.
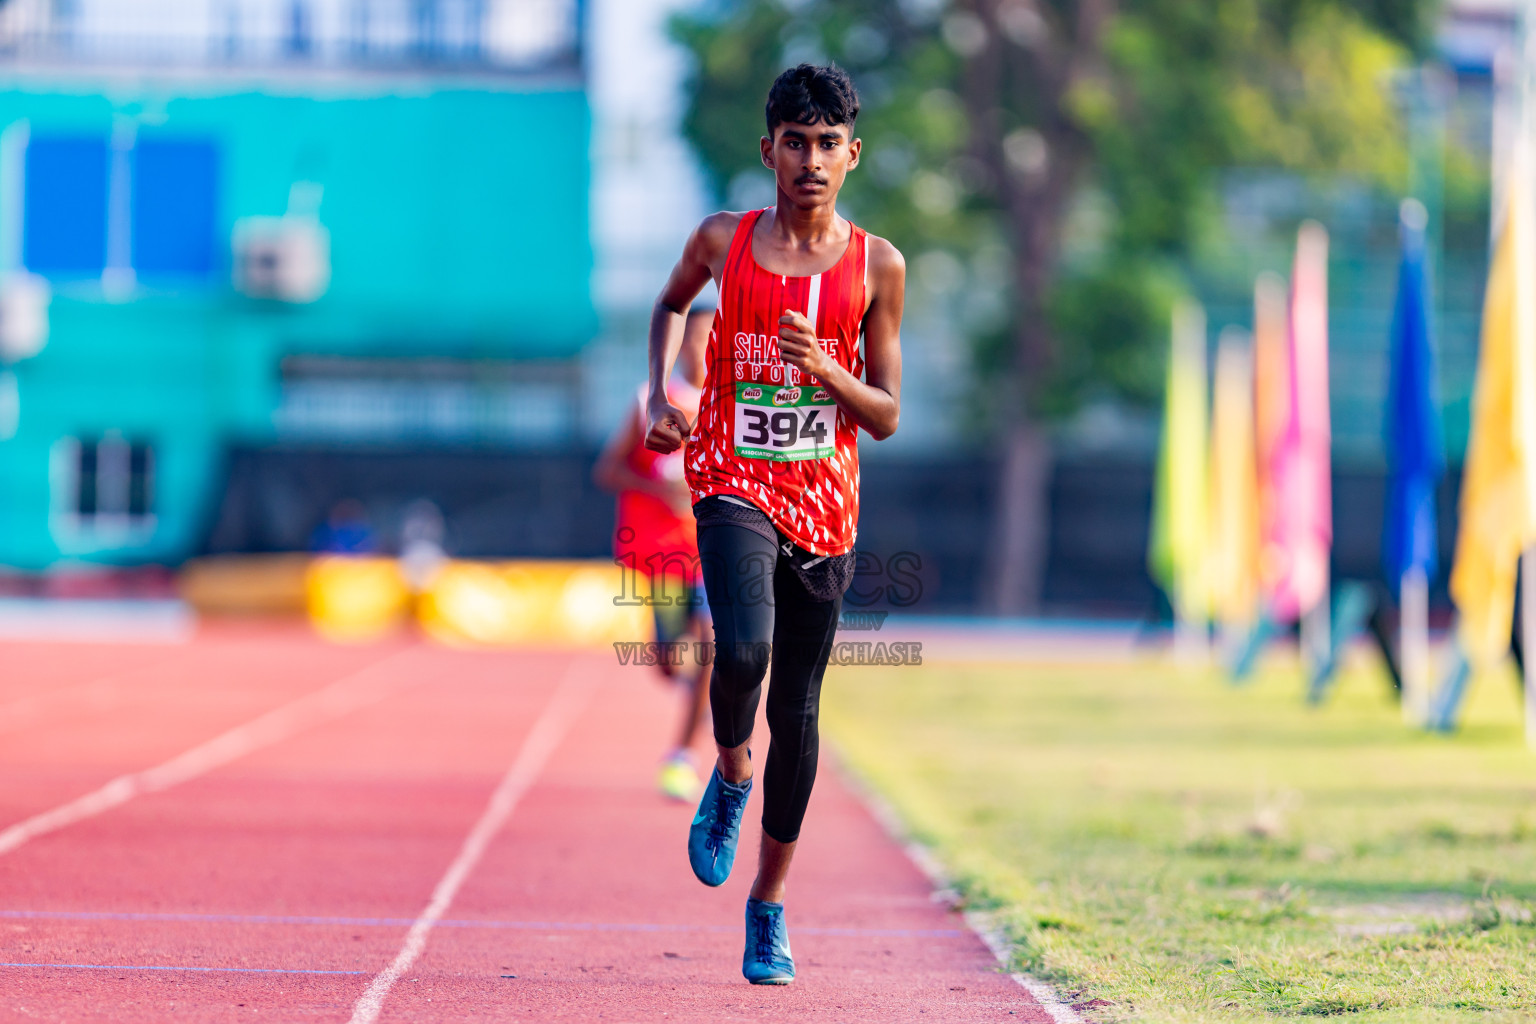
(476, 36)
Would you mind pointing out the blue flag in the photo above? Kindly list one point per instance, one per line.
(1415, 451)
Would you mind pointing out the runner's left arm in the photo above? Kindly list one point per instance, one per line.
(873, 403)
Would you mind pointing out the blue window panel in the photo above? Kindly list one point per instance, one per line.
(175, 200)
(65, 215)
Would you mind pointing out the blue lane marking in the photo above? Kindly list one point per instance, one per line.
(406, 922)
(173, 967)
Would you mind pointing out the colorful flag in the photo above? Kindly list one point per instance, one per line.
(1234, 565)
(1271, 415)
(1181, 501)
(1500, 468)
(1234, 487)
(1415, 453)
(1300, 531)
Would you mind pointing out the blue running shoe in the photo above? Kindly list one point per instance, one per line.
(767, 960)
(712, 836)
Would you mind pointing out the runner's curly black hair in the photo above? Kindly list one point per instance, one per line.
(811, 94)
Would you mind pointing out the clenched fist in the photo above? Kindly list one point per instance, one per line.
(799, 347)
(669, 428)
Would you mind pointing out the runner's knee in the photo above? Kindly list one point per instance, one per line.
(740, 667)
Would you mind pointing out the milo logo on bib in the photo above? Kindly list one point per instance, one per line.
(784, 424)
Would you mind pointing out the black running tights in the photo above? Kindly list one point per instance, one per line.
(760, 608)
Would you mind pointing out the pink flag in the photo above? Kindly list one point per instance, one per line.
(1299, 533)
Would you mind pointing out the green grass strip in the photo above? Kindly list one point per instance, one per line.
(1164, 847)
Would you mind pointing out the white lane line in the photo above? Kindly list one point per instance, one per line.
(980, 923)
(342, 697)
(565, 704)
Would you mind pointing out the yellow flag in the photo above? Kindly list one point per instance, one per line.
(1498, 488)
(1181, 502)
(1234, 525)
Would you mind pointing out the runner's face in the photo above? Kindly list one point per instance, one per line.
(809, 161)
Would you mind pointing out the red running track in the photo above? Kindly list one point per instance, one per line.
(277, 882)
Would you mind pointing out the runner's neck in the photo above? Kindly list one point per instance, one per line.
(800, 243)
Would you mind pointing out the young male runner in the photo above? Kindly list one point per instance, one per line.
(773, 465)
(655, 538)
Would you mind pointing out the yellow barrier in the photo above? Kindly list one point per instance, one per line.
(509, 604)
(246, 585)
(358, 599)
(353, 599)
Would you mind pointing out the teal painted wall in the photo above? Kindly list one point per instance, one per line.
(458, 222)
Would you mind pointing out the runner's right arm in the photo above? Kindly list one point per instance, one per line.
(703, 258)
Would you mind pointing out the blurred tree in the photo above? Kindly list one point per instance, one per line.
(1076, 143)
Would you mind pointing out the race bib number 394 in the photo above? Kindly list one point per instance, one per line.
(784, 423)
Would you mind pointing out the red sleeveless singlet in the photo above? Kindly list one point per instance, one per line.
(767, 433)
